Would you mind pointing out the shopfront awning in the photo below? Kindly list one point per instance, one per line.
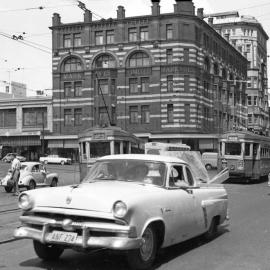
(21, 141)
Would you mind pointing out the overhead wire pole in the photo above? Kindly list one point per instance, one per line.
(106, 107)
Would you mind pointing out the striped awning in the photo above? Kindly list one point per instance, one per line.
(20, 141)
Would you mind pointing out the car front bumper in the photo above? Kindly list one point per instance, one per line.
(124, 238)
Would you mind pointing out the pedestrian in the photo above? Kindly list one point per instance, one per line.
(15, 173)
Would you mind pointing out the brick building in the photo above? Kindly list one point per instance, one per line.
(247, 35)
(165, 77)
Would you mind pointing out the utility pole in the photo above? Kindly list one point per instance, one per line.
(42, 136)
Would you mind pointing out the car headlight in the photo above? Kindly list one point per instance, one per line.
(119, 209)
(25, 202)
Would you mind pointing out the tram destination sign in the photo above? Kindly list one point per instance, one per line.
(233, 138)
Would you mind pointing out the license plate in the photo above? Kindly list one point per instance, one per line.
(63, 237)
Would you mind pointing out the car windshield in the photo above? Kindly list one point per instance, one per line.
(148, 172)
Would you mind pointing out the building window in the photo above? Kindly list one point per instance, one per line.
(113, 86)
(255, 100)
(169, 31)
(78, 117)
(186, 55)
(78, 89)
(103, 116)
(133, 115)
(103, 87)
(139, 59)
(186, 83)
(169, 56)
(99, 37)
(110, 36)
(144, 84)
(8, 118)
(133, 85)
(67, 117)
(170, 83)
(72, 64)
(145, 114)
(77, 39)
(187, 113)
(67, 89)
(67, 40)
(206, 64)
(132, 34)
(249, 102)
(248, 48)
(144, 33)
(34, 117)
(105, 61)
(170, 113)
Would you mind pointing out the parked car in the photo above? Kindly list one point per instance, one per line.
(134, 203)
(32, 175)
(210, 160)
(55, 159)
(7, 157)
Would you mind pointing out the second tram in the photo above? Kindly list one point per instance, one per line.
(246, 155)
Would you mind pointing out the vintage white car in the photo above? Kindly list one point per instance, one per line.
(55, 159)
(136, 203)
(32, 175)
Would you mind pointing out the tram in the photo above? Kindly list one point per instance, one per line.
(96, 142)
(245, 154)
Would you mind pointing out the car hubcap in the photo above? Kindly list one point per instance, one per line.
(147, 247)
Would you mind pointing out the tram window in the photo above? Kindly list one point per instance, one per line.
(99, 149)
(233, 149)
(247, 149)
(116, 148)
(84, 150)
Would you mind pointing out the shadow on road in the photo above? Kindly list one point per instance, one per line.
(104, 260)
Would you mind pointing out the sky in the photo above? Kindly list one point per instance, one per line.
(28, 60)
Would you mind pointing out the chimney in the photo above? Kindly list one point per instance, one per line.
(184, 7)
(155, 7)
(56, 19)
(87, 16)
(120, 12)
(200, 13)
(210, 21)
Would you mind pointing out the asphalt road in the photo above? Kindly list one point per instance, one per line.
(243, 242)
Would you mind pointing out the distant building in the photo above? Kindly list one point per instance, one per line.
(23, 123)
(247, 35)
(165, 77)
(13, 89)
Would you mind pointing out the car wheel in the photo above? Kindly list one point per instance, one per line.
(54, 182)
(144, 257)
(62, 162)
(212, 231)
(8, 189)
(208, 167)
(47, 252)
(32, 185)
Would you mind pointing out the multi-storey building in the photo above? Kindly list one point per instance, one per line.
(23, 124)
(165, 77)
(247, 35)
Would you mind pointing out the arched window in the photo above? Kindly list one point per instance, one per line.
(139, 59)
(216, 69)
(72, 64)
(206, 64)
(105, 61)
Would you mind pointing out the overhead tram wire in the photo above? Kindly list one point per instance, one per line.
(35, 8)
(25, 43)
